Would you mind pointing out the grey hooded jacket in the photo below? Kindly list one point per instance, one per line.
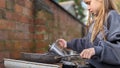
(107, 52)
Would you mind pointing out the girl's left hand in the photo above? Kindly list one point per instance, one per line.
(87, 53)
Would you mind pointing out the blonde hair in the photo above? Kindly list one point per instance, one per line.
(107, 5)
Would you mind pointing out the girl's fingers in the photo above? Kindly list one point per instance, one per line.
(87, 53)
(90, 54)
(61, 42)
(83, 53)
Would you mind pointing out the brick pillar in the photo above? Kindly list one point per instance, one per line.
(43, 20)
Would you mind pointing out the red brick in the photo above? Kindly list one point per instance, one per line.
(39, 36)
(40, 22)
(22, 3)
(27, 12)
(31, 36)
(13, 16)
(16, 16)
(18, 45)
(32, 46)
(21, 27)
(40, 44)
(2, 4)
(5, 53)
(40, 28)
(31, 28)
(26, 36)
(3, 35)
(3, 24)
(25, 45)
(2, 45)
(11, 35)
(11, 25)
(18, 9)
(9, 45)
(9, 15)
(19, 35)
(31, 13)
(15, 55)
(24, 19)
(28, 4)
(22, 46)
(40, 51)
(31, 21)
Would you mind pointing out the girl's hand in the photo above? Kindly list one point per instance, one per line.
(87, 53)
(62, 43)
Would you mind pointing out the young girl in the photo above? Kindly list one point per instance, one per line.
(101, 46)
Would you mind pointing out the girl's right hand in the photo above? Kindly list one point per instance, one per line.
(62, 43)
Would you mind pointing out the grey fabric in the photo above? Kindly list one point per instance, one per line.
(107, 52)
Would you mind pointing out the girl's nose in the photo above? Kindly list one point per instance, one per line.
(89, 8)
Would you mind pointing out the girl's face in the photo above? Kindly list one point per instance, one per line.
(94, 6)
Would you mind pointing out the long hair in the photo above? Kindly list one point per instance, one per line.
(107, 5)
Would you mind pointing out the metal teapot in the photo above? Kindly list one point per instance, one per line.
(56, 48)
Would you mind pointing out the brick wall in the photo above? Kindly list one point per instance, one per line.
(24, 28)
(54, 22)
(16, 26)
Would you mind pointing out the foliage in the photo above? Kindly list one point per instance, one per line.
(80, 8)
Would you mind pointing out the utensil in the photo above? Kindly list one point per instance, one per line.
(55, 48)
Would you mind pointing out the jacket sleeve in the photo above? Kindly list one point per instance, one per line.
(109, 50)
(79, 44)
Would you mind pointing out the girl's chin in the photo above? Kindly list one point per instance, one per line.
(95, 14)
